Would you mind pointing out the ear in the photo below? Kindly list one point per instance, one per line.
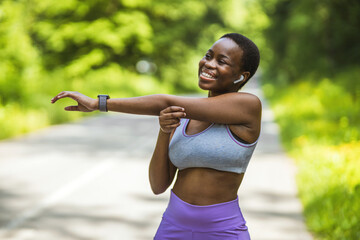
(246, 76)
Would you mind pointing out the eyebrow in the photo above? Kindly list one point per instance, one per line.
(221, 55)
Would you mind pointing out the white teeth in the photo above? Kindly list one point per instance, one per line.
(207, 75)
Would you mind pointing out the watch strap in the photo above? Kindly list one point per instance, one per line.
(102, 102)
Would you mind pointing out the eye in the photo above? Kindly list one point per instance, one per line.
(221, 62)
(207, 56)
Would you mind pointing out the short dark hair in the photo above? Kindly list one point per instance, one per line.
(251, 55)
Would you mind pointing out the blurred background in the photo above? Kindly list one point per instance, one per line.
(309, 72)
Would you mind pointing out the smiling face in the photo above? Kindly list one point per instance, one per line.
(220, 67)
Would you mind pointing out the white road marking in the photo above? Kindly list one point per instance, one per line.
(61, 193)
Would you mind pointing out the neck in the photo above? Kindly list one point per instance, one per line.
(214, 94)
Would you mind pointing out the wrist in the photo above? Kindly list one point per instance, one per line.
(95, 104)
(102, 102)
(163, 131)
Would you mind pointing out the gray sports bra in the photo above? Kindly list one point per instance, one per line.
(215, 147)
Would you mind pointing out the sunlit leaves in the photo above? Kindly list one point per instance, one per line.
(94, 45)
(311, 38)
(320, 128)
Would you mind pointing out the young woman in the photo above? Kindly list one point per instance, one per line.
(208, 141)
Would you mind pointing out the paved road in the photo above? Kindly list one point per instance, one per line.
(88, 181)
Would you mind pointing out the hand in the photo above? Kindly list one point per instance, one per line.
(169, 118)
(85, 103)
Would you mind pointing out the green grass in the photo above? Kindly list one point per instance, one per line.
(320, 129)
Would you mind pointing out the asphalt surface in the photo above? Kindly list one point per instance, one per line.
(88, 180)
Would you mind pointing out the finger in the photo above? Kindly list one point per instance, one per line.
(176, 108)
(58, 96)
(174, 115)
(72, 108)
(63, 95)
(170, 117)
(173, 109)
(54, 99)
(169, 122)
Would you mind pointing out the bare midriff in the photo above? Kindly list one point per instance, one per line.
(205, 186)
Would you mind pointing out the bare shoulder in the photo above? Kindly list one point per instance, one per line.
(249, 96)
(249, 100)
(247, 104)
(249, 107)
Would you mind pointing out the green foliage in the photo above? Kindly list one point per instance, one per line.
(19, 64)
(94, 47)
(311, 79)
(100, 33)
(320, 128)
(329, 185)
(322, 107)
(312, 37)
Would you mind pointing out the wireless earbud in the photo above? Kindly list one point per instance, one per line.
(239, 80)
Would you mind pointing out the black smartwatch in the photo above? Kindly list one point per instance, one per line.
(102, 102)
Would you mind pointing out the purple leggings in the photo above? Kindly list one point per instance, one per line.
(183, 221)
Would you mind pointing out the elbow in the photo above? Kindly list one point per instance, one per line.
(164, 102)
(159, 180)
(158, 189)
(157, 186)
(156, 192)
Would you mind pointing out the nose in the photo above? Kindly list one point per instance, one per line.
(210, 63)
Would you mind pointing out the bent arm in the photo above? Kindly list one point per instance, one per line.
(161, 170)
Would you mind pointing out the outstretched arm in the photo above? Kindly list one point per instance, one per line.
(229, 108)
